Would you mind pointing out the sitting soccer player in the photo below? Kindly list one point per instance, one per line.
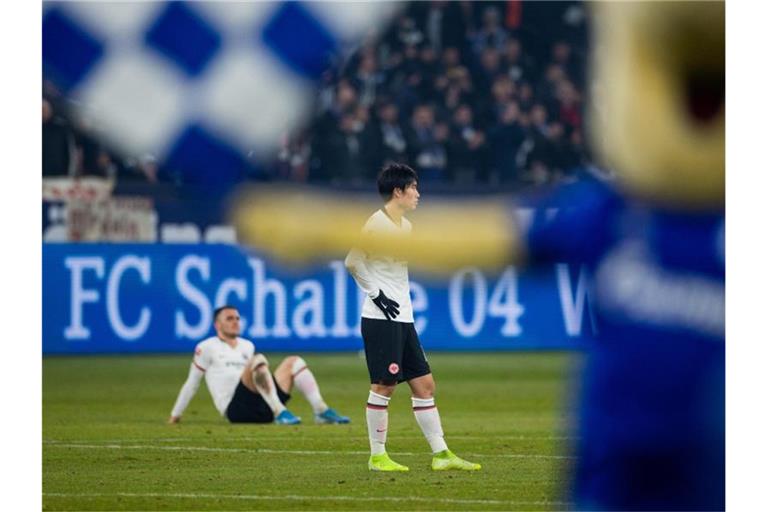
(241, 385)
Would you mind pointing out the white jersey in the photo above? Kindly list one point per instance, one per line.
(222, 367)
(374, 272)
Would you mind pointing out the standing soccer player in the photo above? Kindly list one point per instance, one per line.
(392, 348)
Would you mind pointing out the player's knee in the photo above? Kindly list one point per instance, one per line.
(425, 390)
(424, 393)
(257, 361)
(297, 364)
(384, 387)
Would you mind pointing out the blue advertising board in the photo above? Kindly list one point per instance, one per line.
(131, 298)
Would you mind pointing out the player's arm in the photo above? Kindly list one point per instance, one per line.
(187, 392)
(303, 226)
(355, 262)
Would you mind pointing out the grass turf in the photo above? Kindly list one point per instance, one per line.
(106, 445)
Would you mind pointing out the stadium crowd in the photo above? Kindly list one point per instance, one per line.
(467, 93)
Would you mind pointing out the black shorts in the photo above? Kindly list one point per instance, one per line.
(249, 407)
(393, 351)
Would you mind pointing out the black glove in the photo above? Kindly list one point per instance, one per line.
(387, 305)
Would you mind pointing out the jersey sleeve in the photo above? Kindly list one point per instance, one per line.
(202, 358)
(356, 263)
(250, 348)
(188, 390)
(574, 224)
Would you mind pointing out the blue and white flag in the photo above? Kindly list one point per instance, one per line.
(198, 84)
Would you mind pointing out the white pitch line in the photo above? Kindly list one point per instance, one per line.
(397, 436)
(297, 497)
(287, 452)
(328, 438)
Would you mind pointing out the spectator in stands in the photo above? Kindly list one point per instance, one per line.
(426, 144)
(459, 89)
(525, 96)
(443, 23)
(451, 58)
(344, 99)
(345, 161)
(546, 91)
(59, 150)
(563, 56)
(389, 141)
(406, 82)
(570, 105)
(491, 33)
(329, 136)
(538, 122)
(466, 148)
(487, 71)
(533, 156)
(516, 63)
(503, 91)
(551, 158)
(93, 158)
(561, 158)
(408, 34)
(430, 69)
(368, 79)
(505, 140)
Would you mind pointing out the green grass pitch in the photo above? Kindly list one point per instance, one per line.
(106, 445)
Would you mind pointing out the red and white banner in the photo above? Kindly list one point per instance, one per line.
(118, 219)
(84, 189)
(93, 215)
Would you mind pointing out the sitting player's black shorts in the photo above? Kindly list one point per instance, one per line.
(393, 351)
(249, 407)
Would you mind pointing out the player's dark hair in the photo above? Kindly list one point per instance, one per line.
(394, 176)
(220, 309)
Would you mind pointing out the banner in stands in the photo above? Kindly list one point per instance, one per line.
(121, 298)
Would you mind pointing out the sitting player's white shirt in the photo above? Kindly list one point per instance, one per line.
(222, 367)
(374, 272)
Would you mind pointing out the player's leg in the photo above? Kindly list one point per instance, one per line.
(425, 411)
(258, 379)
(422, 384)
(383, 346)
(377, 418)
(377, 414)
(293, 371)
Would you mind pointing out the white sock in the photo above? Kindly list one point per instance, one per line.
(377, 416)
(429, 420)
(305, 382)
(262, 379)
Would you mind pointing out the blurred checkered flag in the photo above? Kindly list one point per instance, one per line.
(198, 84)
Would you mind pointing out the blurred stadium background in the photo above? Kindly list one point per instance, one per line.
(154, 113)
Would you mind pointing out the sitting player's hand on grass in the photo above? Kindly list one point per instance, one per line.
(172, 420)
